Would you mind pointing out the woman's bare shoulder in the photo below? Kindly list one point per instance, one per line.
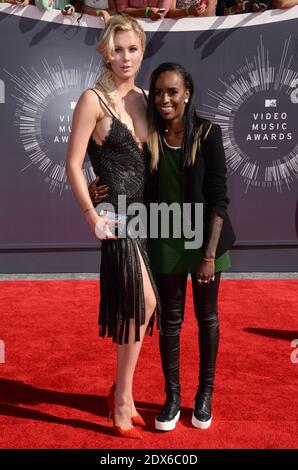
(89, 100)
(142, 91)
(142, 96)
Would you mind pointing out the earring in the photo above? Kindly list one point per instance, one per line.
(186, 100)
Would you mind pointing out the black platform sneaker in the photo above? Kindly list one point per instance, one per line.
(170, 413)
(202, 415)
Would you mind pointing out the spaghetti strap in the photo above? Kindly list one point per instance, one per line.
(146, 97)
(103, 102)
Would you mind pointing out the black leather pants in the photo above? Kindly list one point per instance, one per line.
(172, 289)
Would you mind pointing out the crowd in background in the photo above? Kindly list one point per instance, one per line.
(156, 9)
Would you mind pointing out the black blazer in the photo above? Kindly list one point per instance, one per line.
(206, 182)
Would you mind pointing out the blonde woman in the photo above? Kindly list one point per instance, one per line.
(110, 123)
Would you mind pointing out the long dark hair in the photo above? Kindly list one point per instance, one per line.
(191, 122)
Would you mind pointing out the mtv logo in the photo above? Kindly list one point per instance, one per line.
(73, 104)
(270, 103)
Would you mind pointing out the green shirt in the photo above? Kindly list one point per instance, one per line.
(169, 254)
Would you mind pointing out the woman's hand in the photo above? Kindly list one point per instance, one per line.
(104, 228)
(98, 194)
(100, 225)
(197, 10)
(155, 14)
(105, 15)
(205, 271)
(22, 3)
(68, 10)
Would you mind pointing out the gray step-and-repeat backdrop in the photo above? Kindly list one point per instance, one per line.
(246, 74)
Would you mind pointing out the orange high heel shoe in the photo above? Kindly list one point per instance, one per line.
(136, 420)
(131, 433)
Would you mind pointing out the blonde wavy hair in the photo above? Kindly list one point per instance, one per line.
(106, 48)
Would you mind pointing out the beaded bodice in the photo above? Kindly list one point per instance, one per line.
(120, 163)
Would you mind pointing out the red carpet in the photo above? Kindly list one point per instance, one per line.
(57, 371)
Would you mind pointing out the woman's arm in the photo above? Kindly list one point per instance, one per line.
(86, 114)
(214, 231)
(215, 181)
(112, 7)
(193, 10)
(210, 8)
(20, 3)
(284, 3)
(215, 192)
(123, 6)
(104, 13)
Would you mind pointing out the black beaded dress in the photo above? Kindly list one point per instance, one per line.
(122, 165)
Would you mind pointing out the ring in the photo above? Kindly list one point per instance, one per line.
(213, 278)
(205, 282)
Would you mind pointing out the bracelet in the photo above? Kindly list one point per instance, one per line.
(98, 12)
(186, 11)
(208, 259)
(147, 11)
(89, 209)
